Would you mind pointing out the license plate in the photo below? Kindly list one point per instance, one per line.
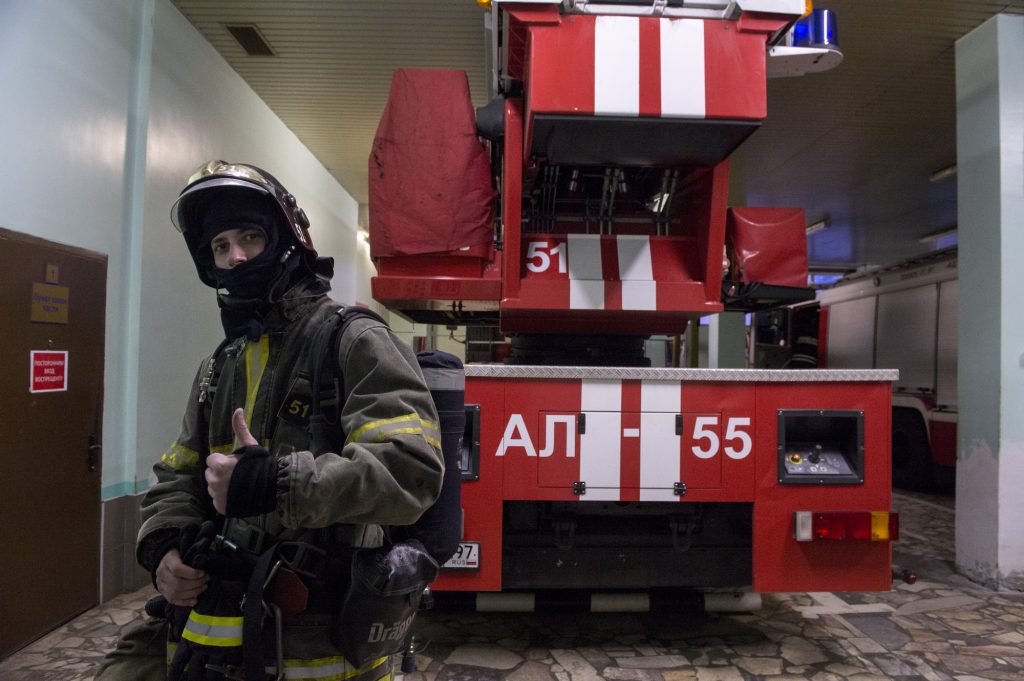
(467, 557)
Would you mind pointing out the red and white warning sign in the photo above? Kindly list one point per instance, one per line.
(48, 371)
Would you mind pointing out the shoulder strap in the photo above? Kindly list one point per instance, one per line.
(210, 373)
(325, 373)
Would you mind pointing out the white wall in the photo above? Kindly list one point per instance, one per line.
(66, 71)
(108, 107)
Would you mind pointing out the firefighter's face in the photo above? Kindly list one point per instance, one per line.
(233, 247)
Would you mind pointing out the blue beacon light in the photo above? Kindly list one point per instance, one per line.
(817, 29)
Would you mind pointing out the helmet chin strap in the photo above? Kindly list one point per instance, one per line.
(284, 278)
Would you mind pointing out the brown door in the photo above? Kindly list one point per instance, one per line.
(52, 303)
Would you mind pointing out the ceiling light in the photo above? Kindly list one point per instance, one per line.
(817, 226)
(944, 174)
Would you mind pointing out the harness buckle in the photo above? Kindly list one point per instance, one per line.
(244, 536)
(302, 558)
(205, 381)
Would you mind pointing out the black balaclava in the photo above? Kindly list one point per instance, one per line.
(252, 278)
(254, 285)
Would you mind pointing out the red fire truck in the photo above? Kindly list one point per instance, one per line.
(582, 210)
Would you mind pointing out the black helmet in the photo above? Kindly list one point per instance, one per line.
(216, 182)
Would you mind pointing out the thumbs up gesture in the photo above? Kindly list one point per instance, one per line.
(220, 467)
(243, 437)
(244, 478)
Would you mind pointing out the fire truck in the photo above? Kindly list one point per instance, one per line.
(864, 320)
(581, 211)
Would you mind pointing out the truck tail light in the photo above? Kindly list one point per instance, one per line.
(837, 525)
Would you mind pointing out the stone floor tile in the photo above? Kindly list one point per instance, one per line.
(487, 656)
(966, 663)
(575, 665)
(801, 651)
(719, 674)
(845, 670)
(824, 676)
(762, 666)
(941, 603)
(654, 662)
(1005, 674)
(893, 666)
(619, 674)
(881, 629)
(531, 671)
(760, 649)
(867, 645)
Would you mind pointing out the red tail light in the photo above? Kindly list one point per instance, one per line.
(838, 525)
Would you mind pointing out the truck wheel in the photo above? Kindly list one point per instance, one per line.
(911, 453)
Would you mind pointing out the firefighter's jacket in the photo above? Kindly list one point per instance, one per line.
(387, 471)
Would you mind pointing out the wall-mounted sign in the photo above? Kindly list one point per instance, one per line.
(49, 303)
(48, 372)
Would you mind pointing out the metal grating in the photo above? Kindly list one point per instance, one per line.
(251, 40)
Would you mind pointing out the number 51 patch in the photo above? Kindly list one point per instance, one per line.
(297, 405)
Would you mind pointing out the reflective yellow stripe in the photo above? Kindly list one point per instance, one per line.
(181, 458)
(209, 630)
(331, 669)
(256, 355)
(410, 424)
(185, 460)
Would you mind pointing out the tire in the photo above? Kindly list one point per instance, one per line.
(911, 453)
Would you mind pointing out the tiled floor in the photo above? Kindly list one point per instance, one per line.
(942, 628)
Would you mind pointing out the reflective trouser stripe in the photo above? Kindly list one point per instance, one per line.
(207, 630)
(334, 669)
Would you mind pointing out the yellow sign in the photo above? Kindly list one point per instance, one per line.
(49, 303)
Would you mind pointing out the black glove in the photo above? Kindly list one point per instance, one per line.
(210, 648)
(210, 633)
(253, 487)
(195, 542)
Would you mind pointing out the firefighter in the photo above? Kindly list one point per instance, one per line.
(243, 454)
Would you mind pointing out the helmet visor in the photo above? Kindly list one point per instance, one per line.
(220, 174)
